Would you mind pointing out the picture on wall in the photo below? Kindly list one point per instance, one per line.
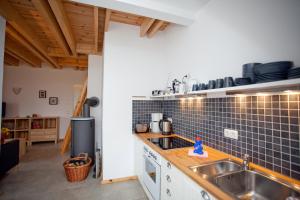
(53, 100)
(42, 94)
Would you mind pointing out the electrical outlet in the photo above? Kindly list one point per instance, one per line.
(233, 134)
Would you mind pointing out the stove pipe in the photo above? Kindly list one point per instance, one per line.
(89, 102)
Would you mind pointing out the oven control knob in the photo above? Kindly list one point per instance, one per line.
(168, 192)
(168, 178)
(204, 195)
(169, 165)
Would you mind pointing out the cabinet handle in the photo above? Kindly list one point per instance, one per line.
(204, 195)
(169, 165)
(168, 192)
(168, 178)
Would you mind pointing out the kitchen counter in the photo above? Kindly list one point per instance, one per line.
(180, 159)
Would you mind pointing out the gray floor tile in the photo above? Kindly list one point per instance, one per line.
(40, 176)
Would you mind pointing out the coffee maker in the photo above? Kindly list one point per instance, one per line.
(154, 124)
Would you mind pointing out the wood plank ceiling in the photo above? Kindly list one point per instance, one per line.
(62, 33)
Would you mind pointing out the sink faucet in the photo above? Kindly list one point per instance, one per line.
(246, 158)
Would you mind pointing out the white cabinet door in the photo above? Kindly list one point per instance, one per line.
(175, 185)
(192, 191)
(138, 158)
(171, 182)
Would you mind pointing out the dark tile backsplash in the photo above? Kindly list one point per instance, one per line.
(268, 126)
(141, 111)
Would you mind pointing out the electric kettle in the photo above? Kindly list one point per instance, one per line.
(165, 126)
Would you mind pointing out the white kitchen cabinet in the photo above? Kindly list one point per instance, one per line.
(171, 182)
(192, 191)
(175, 185)
(138, 158)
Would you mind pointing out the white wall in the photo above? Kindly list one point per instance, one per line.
(57, 83)
(95, 82)
(226, 35)
(132, 66)
(2, 39)
(230, 33)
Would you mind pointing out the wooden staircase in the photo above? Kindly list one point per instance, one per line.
(76, 113)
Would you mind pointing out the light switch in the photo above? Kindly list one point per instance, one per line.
(233, 134)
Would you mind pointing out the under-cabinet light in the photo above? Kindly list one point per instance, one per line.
(262, 94)
(267, 93)
(240, 95)
(292, 91)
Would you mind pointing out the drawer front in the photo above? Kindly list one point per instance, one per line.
(37, 138)
(167, 193)
(42, 138)
(37, 132)
(170, 172)
(50, 137)
(171, 181)
(50, 132)
(171, 191)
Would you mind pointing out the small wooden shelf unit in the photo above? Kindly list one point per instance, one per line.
(33, 129)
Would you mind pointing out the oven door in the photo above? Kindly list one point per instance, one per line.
(151, 177)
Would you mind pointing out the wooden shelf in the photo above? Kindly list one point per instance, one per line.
(168, 96)
(276, 86)
(21, 130)
(14, 118)
(47, 128)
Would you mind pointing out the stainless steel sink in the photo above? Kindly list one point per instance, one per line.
(256, 186)
(211, 170)
(232, 178)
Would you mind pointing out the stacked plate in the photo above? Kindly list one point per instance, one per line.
(274, 71)
(294, 73)
(248, 71)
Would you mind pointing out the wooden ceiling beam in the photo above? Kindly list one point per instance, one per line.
(155, 28)
(85, 48)
(11, 60)
(45, 10)
(15, 50)
(13, 34)
(145, 26)
(73, 62)
(20, 25)
(15, 53)
(55, 52)
(107, 19)
(63, 21)
(124, 20)
(164, 26)
(96, 28)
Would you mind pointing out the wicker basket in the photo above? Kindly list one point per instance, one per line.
(77, 173)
